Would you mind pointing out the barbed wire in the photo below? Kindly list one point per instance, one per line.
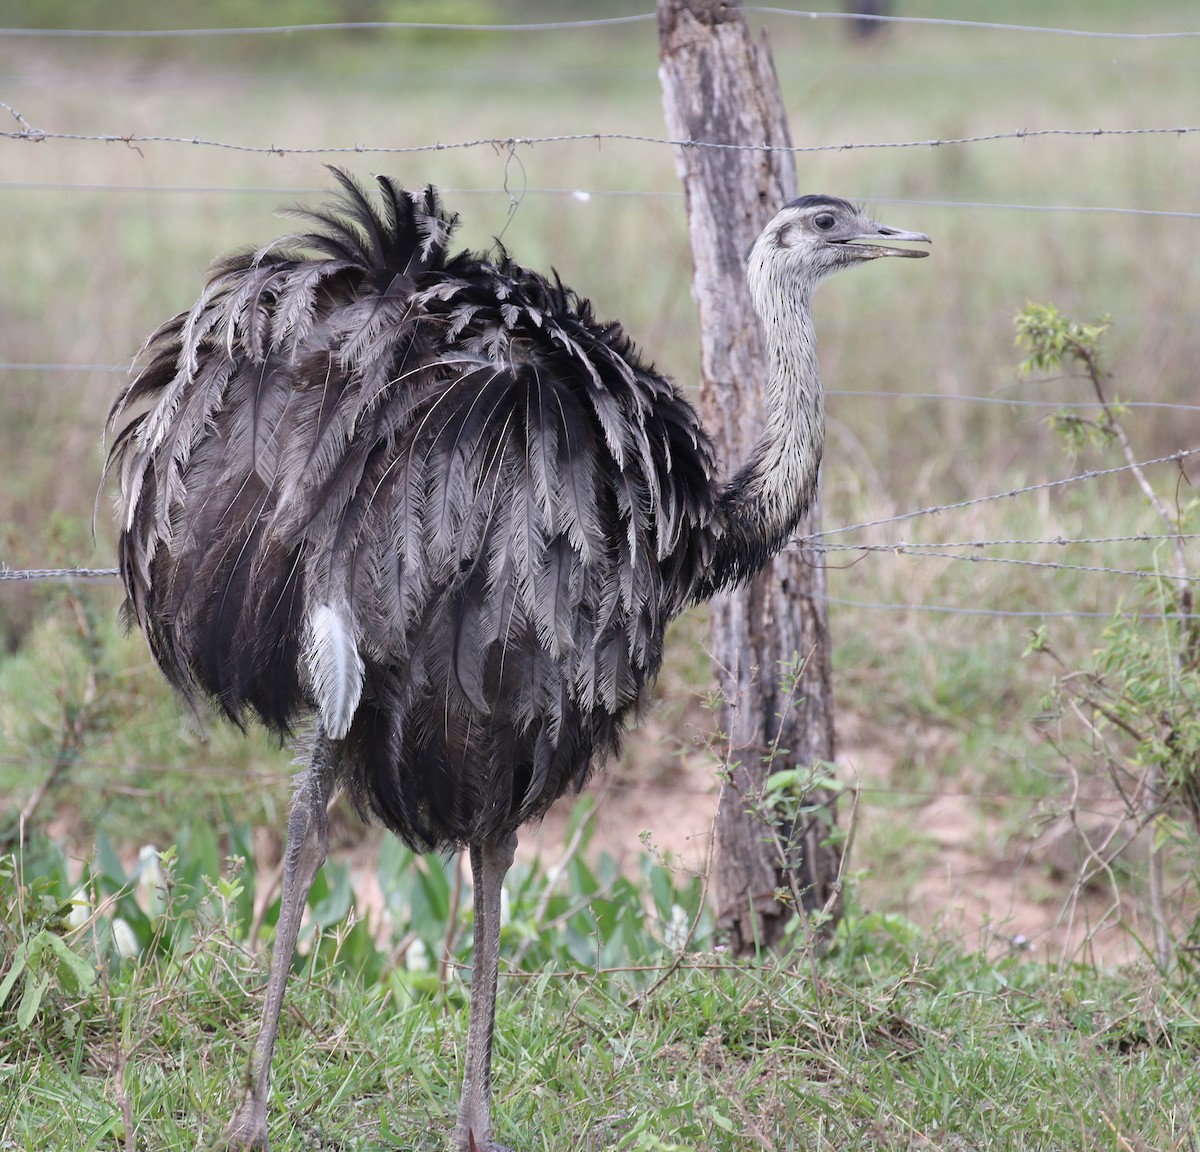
(1139, 573)
(59, 575)
(1008, 613)
(1061, 541)
(1091, 474)
(935, 550)
(30, 134)
(561, 26)
(110, 575)
(580, 194)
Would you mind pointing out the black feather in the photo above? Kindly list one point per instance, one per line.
(503, 502)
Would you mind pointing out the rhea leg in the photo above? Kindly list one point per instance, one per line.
(307, 841)
(490, 860)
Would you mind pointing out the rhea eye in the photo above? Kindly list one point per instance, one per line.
(825, 221)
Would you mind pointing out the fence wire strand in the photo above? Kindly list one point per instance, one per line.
(814, 542)
(566, 26)
(923, 553)
(1007, 613)
(1091, 474)
(27, 133)
(1043, 541)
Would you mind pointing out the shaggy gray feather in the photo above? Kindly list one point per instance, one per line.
(424, 495)
(430, 498)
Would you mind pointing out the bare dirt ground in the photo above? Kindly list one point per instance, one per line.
(989, 889)
(971, 879)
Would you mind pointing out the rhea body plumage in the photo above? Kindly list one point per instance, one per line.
(426, 498)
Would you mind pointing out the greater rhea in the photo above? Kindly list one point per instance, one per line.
(428, 500)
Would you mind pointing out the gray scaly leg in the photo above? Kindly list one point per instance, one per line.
(307, 840)
(490, 860)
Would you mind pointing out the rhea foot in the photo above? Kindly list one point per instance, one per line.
(472, 1146)
(247, 1131)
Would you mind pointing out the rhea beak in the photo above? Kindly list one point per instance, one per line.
(856, 249)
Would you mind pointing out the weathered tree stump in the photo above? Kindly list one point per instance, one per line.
(770, 641)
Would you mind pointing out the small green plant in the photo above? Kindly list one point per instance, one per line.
(795, 803)
(123, 961)
(43, 953)
(569, 915)
(73, 704)
(1138, 700)
(1053, 338)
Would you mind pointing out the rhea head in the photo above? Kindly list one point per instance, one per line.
(813, 236)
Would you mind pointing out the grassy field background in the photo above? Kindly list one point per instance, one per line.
(966, 778)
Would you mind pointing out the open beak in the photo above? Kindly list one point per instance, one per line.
(871, 250)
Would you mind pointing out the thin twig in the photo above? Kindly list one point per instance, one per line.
(1115, 426)
(1158, 905)
(682, 950)
(1153, 795)
(75, 718)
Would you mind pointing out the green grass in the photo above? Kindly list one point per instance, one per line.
(89, 273)
(903, 1042)
(83, 698)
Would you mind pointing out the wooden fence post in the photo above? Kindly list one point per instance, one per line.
(770, 641)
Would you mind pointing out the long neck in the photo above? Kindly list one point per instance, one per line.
(761, 505)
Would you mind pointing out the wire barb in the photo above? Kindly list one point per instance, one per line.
(28, 131)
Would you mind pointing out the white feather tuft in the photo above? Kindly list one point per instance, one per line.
(335, 669)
